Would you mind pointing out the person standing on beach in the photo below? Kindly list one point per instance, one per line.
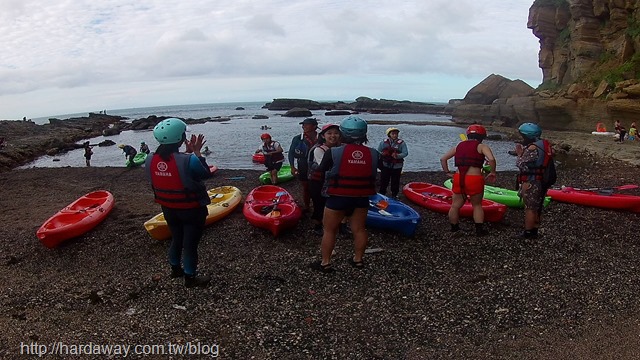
(129, 152)
(350, 171)
(470, 156)
(620, 130)
(87, 153)
(178, 185)
(393, 150)
(534, 155)
(633, 132)
(299, 150)
(273, 156)
(329, 137)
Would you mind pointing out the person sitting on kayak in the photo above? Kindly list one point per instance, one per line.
(178, 185)
(470, 156)
(129, 152)
(534, 155)
(273, 156)
(144, 148)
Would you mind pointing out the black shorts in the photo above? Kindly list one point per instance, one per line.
(271, 166)
(346, 203)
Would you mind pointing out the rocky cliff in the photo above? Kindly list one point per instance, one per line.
(590, 61)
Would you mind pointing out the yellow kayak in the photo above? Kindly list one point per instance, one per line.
(224, 199)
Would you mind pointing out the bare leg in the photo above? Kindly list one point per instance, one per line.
(478, 212)
(360, 239)
(331, 222)
(454, 211)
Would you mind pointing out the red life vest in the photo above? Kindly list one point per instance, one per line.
(389, 149)
(354, 171)
(172, 186)
(274, 158)
(467, 154)
(314, 173)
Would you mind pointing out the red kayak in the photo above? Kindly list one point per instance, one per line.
(595, 198)
(271, 207)
(76, 219)
(438, 198)
(259, 158)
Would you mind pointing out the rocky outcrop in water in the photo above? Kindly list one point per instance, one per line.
(362, 104)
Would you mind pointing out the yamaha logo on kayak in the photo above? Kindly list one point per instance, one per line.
(356, 158)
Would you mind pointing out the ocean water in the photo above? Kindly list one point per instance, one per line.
(233, 142)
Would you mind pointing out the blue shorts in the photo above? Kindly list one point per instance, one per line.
(346, 203)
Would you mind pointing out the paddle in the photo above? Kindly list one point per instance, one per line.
(448, 198)
(235, 178)
(275, 212)
(381, 206)
(602, 189)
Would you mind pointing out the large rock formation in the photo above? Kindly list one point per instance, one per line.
(362, 104)
(590, 61)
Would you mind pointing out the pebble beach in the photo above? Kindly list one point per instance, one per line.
(569, 294)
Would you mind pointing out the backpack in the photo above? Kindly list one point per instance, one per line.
(549, 176)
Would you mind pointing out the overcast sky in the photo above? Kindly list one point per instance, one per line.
(73, 56)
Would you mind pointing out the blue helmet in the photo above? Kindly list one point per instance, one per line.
(353, 127)
(169, 131)
(530, 130)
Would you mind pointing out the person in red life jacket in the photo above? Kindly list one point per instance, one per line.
(129, 152)
(533, 156)
(470, 156)
(273, 156)
(350, 178)
(299, 149)
(177, 180)
(392, 151)
(329, 137)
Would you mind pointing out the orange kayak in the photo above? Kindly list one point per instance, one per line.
(76, 219)
(438, 198)
(271, 207)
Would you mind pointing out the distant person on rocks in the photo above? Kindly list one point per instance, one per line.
(633, 132)
(273, 156)
(144, 148)
(206, 150)
(350, 178)
(87, 153)
(178, 185)
(392, 150)
(534, 155)
(129, 152)
(299, 151)
(329, 137)
(470, 156)
(620, 131)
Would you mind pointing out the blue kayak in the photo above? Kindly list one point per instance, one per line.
(390, 214)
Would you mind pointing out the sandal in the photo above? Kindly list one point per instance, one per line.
(317, 265)
(356, 264)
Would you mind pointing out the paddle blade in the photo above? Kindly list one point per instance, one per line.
(382, 204)
(274, 213)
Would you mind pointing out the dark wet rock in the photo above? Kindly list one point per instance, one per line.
(337, 113)
(239, 108)
(298, 112)
(259, 117)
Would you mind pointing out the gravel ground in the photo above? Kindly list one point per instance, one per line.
(570, 294)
